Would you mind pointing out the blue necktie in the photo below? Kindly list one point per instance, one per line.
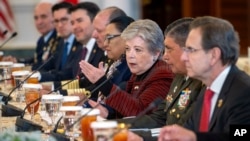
(64, 55)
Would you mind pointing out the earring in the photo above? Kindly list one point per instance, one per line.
(154, 59)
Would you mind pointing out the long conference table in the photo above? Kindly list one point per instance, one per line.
(9, 122)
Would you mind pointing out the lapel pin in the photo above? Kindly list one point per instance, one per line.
(220, 102)
(74, 49)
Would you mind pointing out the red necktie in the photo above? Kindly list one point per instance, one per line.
(205, 113)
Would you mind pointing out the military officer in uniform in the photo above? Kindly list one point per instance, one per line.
(47, 43)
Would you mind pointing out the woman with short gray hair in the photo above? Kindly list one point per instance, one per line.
(151, 76)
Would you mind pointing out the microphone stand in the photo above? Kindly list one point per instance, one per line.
(12, 36)
(5, 32)
(10, 110)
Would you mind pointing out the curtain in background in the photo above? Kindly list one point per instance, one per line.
(7, 22)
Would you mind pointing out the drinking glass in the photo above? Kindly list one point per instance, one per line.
(33, 78)
(104, 130)
(5, 66)
(121, 133)
(70, 100)
(32, 93)
(52, 103)
(16, 67)
(90, 116)
(70, 115)
(19, 76)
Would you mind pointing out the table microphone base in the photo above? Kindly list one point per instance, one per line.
(10, 110)
(26, 125)
(4, 95)
(59, 137)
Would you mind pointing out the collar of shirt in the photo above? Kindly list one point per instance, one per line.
(47, 36)
(216, 86)
(89, 46)
(219, 81)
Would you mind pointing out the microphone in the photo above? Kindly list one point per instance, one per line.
(10, 110)
(27, 125)
(5, 32)
(12, 36)
(151, 106)
(2, 94)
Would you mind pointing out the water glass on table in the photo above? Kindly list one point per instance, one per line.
(70, 115)
(52, 104)
(18, 77)
(32, 93)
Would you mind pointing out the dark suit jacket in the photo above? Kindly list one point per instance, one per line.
(41, 48)
(232, 107)
(95, 57)
(52, 70)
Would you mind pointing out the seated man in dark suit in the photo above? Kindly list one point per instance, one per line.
(101, 20)
(82, 16)
(210, 54)
(47, 43)
(60, 67)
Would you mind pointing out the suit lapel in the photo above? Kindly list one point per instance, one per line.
(222, 96)
(60, 51)
(93, 52)
(72, 51)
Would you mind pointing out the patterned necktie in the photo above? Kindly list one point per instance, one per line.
(205, 113)
(83, 56)
(84, 53)
(64, 55)
(113, 68)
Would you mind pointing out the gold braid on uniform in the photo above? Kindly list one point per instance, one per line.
(54, 45)
(73, 88)
(79, 91)
(72, 85)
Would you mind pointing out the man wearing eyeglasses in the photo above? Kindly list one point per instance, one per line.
(210, 54)
(82, 16)
(61, 66)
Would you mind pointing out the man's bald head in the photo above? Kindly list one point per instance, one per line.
(101, 20)
(43, 17)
